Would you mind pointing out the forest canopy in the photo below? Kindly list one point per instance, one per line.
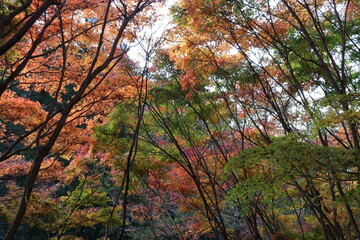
(236, 119)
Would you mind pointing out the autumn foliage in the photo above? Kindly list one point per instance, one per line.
(240, 122)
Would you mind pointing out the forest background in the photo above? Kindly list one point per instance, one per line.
(240, 121)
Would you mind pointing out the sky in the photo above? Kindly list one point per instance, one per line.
(137, 52)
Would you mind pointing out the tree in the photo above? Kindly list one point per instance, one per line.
(250, 56)
(57, 68)
(244, 126)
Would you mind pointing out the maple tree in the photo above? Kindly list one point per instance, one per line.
(243, 122)
(252, 54)
(63, 67)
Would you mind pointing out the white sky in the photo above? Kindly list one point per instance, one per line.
(136, 52)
